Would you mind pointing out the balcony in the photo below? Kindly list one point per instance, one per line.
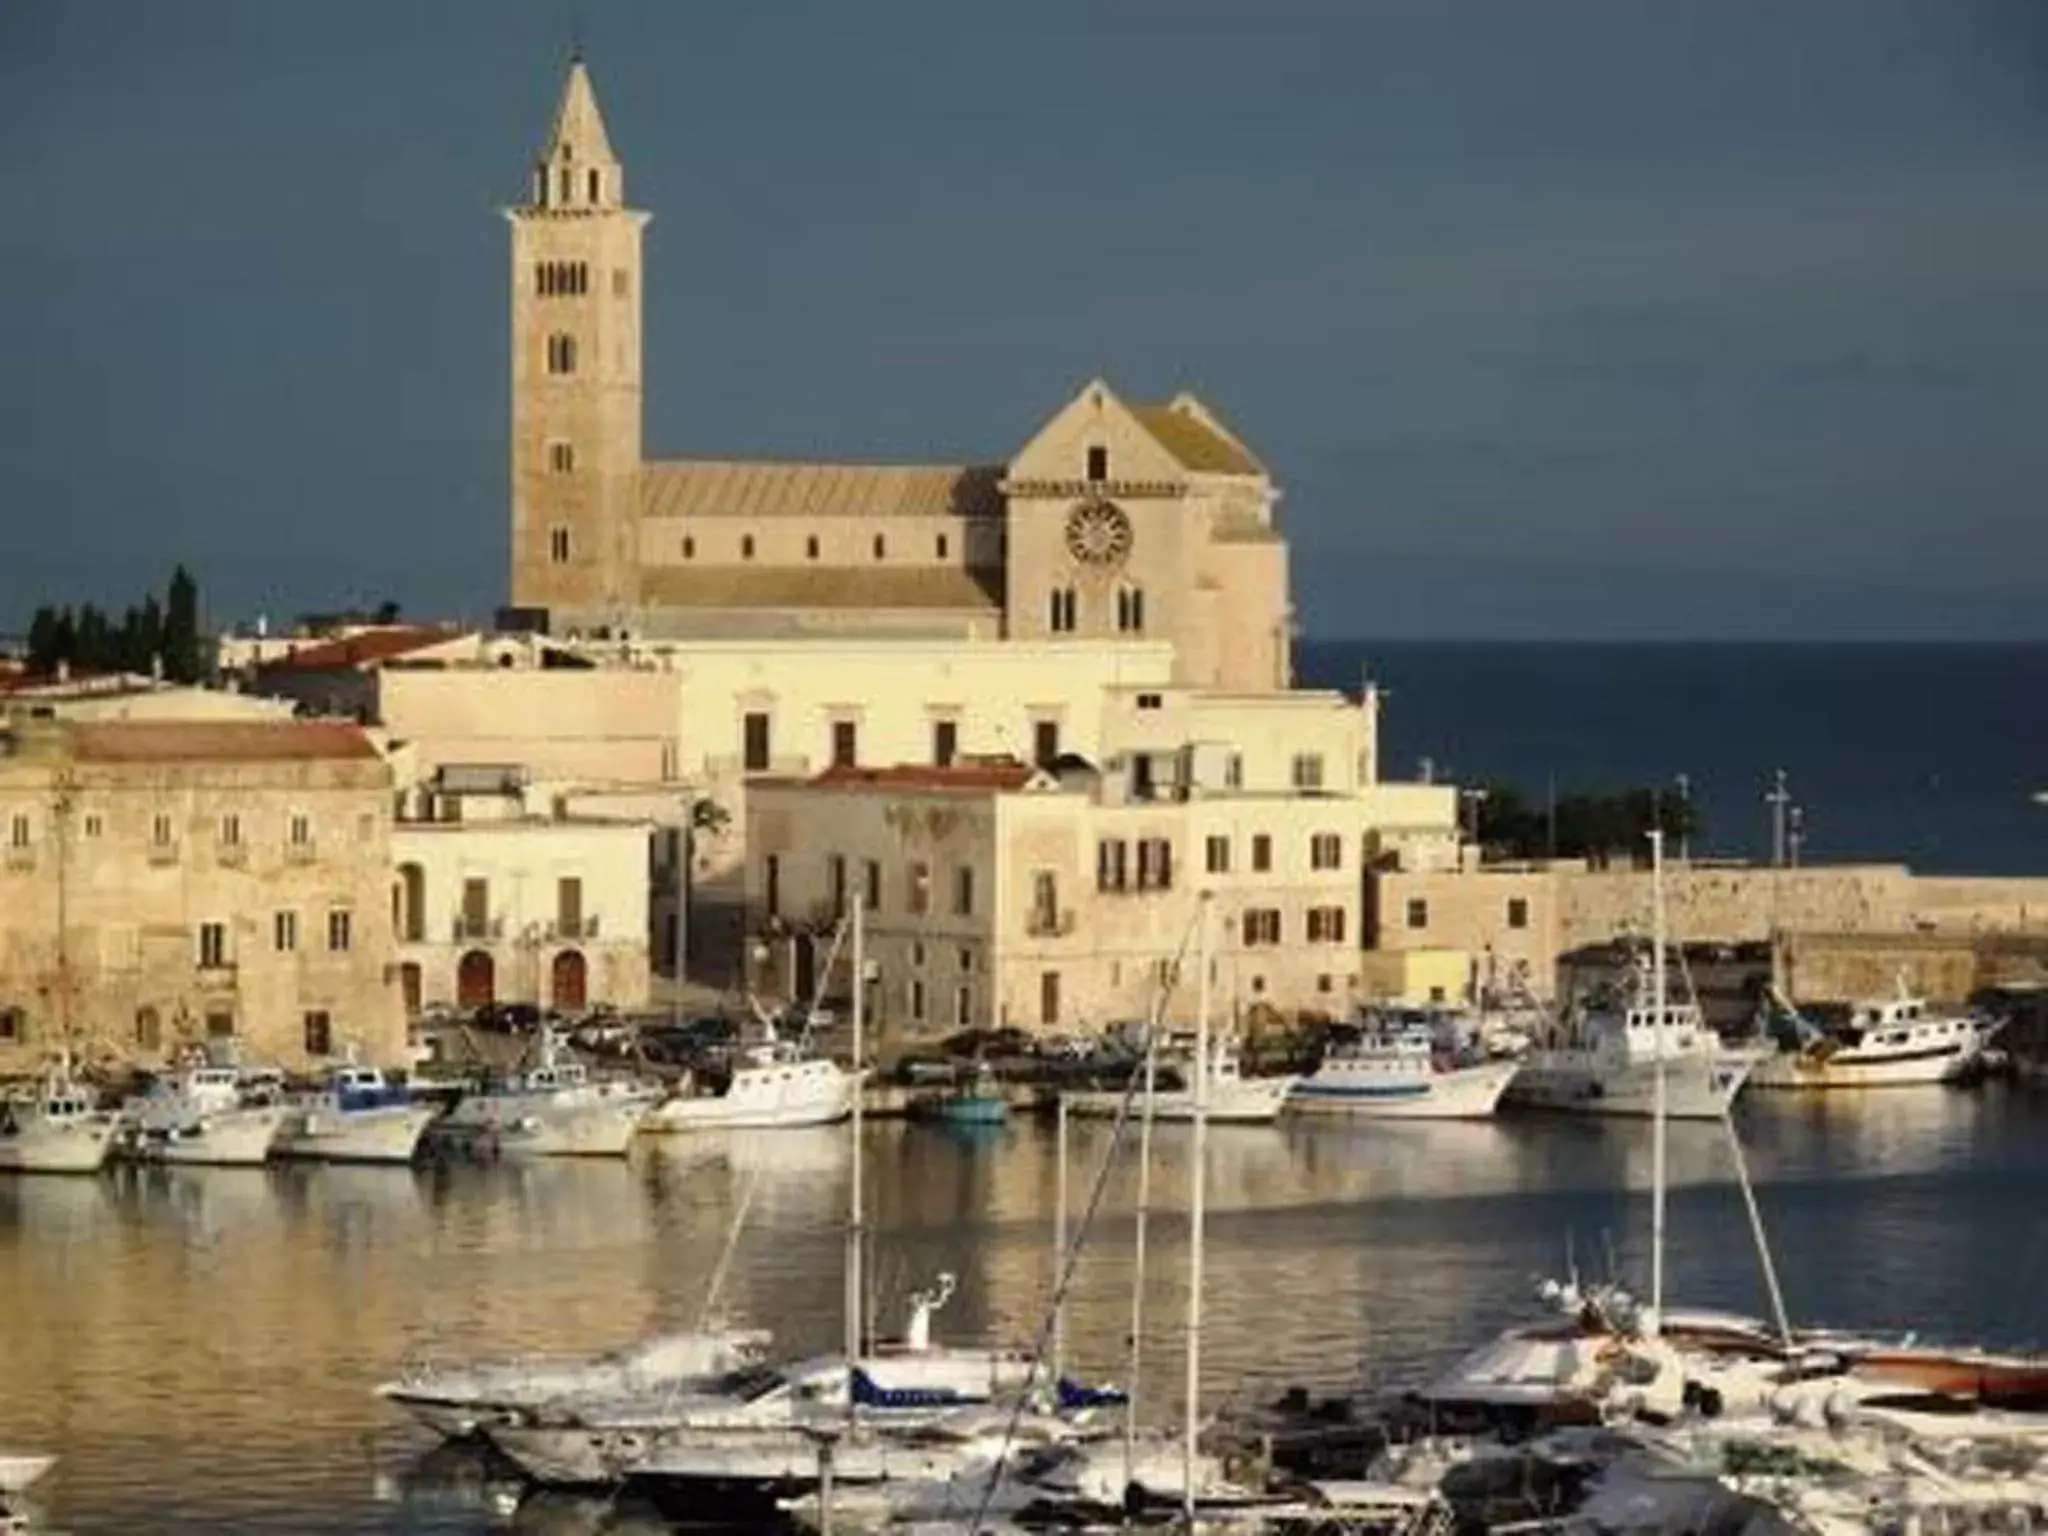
(301, 853)
(163, 853)
(572, 930)
(20, 858)
(469, 929)
(1049, 925)
(232, 855)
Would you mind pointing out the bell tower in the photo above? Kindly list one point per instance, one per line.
(576, 375)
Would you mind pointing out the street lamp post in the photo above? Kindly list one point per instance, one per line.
(1779, 799)
(1684, 818)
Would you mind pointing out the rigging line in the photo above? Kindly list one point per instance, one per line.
(1070, 1261)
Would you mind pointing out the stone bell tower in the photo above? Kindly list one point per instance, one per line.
(576, 375)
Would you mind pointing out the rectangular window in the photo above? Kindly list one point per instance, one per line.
(1308, 771)
(1045, 743)
(1233, 771)
(93, 825)
(160, 830)
(569, 906)
(1045, 910)
(920, 898)
(1063, 611)
(213, 946)
(771, 885)
(558, 545)
(963, 1008)
(1518, 911)
(757, 742)
(561, 458)
(835, 882)
(284, 932)
(1151, 701)
(1111, 869)
(476, 909)
(1326, 851)
(1098, 463)
(845, 744)
(1418, 912)
(319, 1032)
(17, 832)
(1326, 925)
(1262, 852)
(13, 1025)
(338, 930)
(1261, 926)
(1049, 999)
(1216, 855)
(916, 1000)
(871, 881)
(220, 1026)
(301, 830)
(1155, 864)
(1141, 776)
(967, 955)
(963, 891)
(945, 742)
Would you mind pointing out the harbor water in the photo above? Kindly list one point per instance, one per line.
(199, 1345)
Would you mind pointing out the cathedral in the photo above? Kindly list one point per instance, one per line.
(1116, 520)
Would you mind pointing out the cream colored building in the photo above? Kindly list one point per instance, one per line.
(131, 696)
(506, 895)
(166, 883)
(1114, 521)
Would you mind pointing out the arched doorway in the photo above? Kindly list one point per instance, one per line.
(409, 987)
(568, 982)
(476, 979)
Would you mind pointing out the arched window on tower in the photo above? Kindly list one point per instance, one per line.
(561, 354)
(747, 547)
(811, 547)
(567, 185)
(1130, 609)
(881, 547)
(1062, 611)
(596, 182)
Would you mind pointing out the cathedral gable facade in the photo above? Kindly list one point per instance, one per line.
(1115, 521)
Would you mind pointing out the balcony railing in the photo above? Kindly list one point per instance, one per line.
(465, 928)
(232, 854)
(584, 927)
(20, 858)
(301, 853)
(163, 853)
(1049, 925)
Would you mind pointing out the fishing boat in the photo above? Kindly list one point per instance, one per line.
(18, 1473)
(1607, 1061)
(463, 1400)
(1233, 1098)
(1885, 1043)
(200, 1114)
(56, 1127)
(554, 1108)
(978, 1100)
(355, 1115)
(1402, 1073)
(776, 1083)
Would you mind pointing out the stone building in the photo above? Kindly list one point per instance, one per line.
(1114, 521)
(167, 883)
(502, 902)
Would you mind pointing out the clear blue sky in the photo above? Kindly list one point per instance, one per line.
(1559, 318)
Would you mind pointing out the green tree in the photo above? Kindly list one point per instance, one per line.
(42, 641)
(183, 660)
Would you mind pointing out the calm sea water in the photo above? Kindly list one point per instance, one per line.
(199, 1345)
(1927, 753)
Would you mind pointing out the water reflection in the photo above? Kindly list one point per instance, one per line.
(237, 1319)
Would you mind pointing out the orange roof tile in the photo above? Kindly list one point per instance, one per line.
(372, 645)
(173, 741)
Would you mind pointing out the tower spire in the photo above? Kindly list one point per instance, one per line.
(577, 169)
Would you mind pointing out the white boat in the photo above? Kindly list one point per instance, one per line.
(1606, 1063)
(459, 1401)
(199, 1115)
(774, 1085)
(1233, 1097)
(1402, 1074)
(1886, 1043)
(356, 1116)
(18, 1472)
(553, 1109)
(56, 1128)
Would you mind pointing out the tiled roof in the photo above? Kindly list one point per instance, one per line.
(360, 650)
(1193, 442)
(175, 741)
(960, 778)
(763, 488)
(747, 586)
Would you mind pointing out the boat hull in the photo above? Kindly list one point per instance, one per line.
(1462, 1093)
(234, 1138)
(1807, 1071)
(390, 1134)
(971, 1109)
(1695, 1088)
(75, 1147)
(826, 1105)
(1243, 1101)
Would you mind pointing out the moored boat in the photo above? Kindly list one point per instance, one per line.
(201, 1115)
(774, 1084)
(1233, 1098)
(356, 1116)
(977, 1101)
(1402, 1074)
(56, 1128)
(556, 1108)
(1885, 1043)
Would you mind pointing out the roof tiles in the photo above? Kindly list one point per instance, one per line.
(177, 741)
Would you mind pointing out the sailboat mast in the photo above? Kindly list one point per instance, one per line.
(1197, 1209)
(1138, 1248)
(856, 1215)
(1059, 1244)
(62, 803)
(1660, 1000)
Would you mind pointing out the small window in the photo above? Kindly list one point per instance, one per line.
(689, 549)
(872, 881)
(213, 946)
(1261, 927)
(1217, 855)
(319, 1033)
(1262, 852)
(284, 932)
(596, 183)
(220, 1026)
(149, 1029)
(301, 830)
(1112, 869)
(558, 545)
(920, 899)
(1045, 743)
(757, 742)
(747, 546)
(17, 832)
(940, 546)
(13, 1025)
(835, 882)
(845, 744)
(1307, 771)
(1062, 611)
(561, 354)
(338, 934)
(1418, 912)
(966, 959)
(945, 742)
(1151, 701)
(93, 825)
(1049, 999)
(1130, 610)
(564, 177)
(881, 547)
(811, 547)
(963, 891)
(562, 458)
(1326, 925)
(963, 1008)
(1518, 911)
(160, 830)
(916, 1000)
(1233, 771)
(1325, 851)
(1098, 463)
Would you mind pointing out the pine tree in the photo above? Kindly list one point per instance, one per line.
(42, 641)
(183, 662)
